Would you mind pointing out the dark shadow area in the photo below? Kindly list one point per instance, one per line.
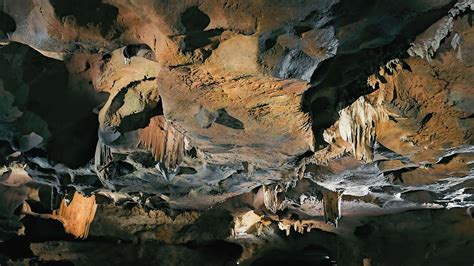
(300, 29)
(194, 22)
(39, 229)
(67, 111)
(140, 120)
(269, 43)
(186, 171)
(86, 12)
(195, 40)
(7, 24)
(225, 119)
(422, 237)
(213, 224)
(322, 106)
(311, 255)
(226, 251)
(362, 24)
(16, 248)
(50, 199)
(5, 150)
(87, 180)
(60, 114)
(137, 120)
(193, 19)
(36, 230)
(120, 168)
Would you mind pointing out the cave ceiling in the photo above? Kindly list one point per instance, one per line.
(308, 131)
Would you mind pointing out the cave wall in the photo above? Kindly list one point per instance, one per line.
(311, 131)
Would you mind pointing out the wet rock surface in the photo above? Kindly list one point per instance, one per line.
(315, 132)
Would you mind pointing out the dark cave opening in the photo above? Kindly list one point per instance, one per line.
(310, 255)
(88, 11)
(62, 115)
(228, 252)
(269, 43)
(7, 25)
(300, 29)
(193, 19)
(36, 230)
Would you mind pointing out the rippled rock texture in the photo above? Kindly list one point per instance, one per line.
(220, 132)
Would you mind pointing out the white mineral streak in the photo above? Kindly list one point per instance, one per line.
(357, 126)
(428, 43)
(271, 199)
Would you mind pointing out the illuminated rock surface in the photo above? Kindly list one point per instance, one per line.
(223, 132)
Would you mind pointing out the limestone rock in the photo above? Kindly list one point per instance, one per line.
(166, 132)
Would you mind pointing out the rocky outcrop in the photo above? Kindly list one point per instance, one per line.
(429, 42)
(77, 215)
(177, 129)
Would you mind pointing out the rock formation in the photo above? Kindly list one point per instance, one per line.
(219, 132)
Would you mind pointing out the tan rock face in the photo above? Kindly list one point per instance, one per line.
(238, 116)
(194, 122)
(77, 215)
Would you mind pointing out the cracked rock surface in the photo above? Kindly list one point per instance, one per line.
(216, 132)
